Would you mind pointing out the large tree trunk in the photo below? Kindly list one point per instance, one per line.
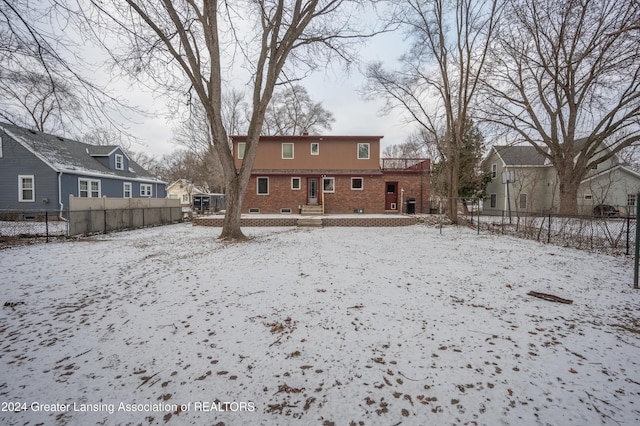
(569, 195)
(231, 225)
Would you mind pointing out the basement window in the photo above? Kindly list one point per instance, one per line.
(254, 210)
(285, 210)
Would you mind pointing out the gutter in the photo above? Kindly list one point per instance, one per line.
(60, 203)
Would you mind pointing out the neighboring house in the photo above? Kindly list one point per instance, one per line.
(534, 187)
(331, 174)
(41, 171)
(183, 190)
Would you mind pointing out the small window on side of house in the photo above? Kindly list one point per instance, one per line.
(631, 200)
(146, 190)
(262, 186)
(363, 151)
(494, 200)
(315, 148)
(295, 183)
(119, 162)
(494, 171)
(357, 183)
(287, 151)
(522, 202)
(127, 190)
(26, 189)
(588, 197)
(328, 184)
(241, 147)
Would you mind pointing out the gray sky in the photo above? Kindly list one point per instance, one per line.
(337, 90)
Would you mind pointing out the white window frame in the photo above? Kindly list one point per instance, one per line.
(89, 190)
(258, 185)
(127, 187)
(21, 189)
(494, 171)
(368, 145)
(185, 198)
(119, 159)
(361, 179)
(332, 188)
(241, 151)
(146, 190)
(315, 145)
(292, 150)
(520, 201)
(299, 186)
(631, 200)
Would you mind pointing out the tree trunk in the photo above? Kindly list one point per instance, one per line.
(568, 195)
(231, 230)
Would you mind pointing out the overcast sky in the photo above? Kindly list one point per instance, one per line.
(338, 91)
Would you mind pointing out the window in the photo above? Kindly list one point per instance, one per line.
(254, 210)
(328, 184)
(185, 199)
(88, 188)
(494, 171)
(285, 210)
(146, 190)
(119, 162)
(262, 186)
(127, 190)
(287, 151)
(631, 200)
(315, 148)
(26, 192)
(522, 205)
(241, 148)
(357, 183)
(588, 197)
(295, 183)
(494, 201)
(363, 151)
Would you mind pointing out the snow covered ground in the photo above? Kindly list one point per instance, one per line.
(316, 326)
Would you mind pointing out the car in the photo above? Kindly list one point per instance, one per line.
(605, 210)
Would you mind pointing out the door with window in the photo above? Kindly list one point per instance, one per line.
(391, 196)
(312, 188)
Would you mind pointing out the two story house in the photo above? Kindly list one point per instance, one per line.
(331, 175)
(524, 180)
(39, 171)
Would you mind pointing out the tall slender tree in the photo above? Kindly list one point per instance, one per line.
(187, 46)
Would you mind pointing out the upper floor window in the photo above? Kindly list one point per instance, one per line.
(26, 191)
(119, 162)
(88, 188)
(287, 151)
(494, 171)
(631, 200)
(315, 148)
(146, 190)
(185, 198)
(363, 151)
(127, 190)
(241, 148)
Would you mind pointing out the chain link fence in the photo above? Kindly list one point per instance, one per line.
(608, 234)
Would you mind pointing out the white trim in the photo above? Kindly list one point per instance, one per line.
(361, 182)
(89, 188)
(149, 190)
(121, 158)
(333, 185)
(258, 185)
(1, 146)
(124, 190)
(311, 148)
(21, 189)
(299, 184)
(292, 151)
(244, 150)
(368, 157)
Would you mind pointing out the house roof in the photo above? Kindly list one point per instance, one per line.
(70, 156)
(520, 155)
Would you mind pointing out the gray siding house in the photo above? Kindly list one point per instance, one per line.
(534, 185)
(39, 171)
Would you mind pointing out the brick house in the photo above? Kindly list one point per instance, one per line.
(331, 175)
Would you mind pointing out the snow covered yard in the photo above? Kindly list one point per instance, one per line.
(322, 326)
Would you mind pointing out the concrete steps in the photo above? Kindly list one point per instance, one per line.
(310, 221)
(311, 210)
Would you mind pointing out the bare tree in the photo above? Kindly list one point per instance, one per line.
(441, 72)
(293, 112)
(566, 79)
(43, 77)
(188, 46)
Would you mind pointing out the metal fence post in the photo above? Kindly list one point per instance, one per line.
(628, 231)
(46, 224)
(549, 230)
(635, 269)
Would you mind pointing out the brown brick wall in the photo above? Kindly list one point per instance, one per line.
(326, 221)
(344, 200)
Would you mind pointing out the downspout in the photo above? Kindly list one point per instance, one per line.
(60, 203)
